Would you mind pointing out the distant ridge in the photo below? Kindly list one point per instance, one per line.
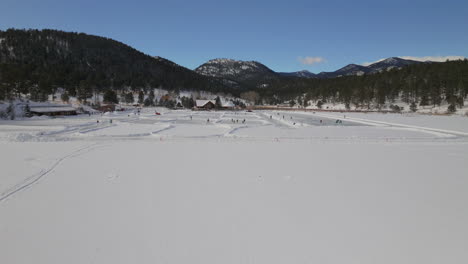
(241, 71)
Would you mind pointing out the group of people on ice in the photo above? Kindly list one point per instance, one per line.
(237, 121)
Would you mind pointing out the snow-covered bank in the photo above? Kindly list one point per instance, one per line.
(403, 106)
(454, 122)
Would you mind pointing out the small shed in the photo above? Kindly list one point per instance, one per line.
(53, 110)
(205, 104)
(106, 108)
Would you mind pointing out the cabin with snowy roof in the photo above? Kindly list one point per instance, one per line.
(228, 105)
(52, 110)
(204, 104)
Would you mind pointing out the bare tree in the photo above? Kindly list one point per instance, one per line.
(250, 96)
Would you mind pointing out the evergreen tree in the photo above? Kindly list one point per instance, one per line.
(10, 111)
(424, 101)
(141, 97)
(151, 96)
(148, 102)
(110, 97)
(452, 108)
(413, 107)
(129, 99)
(65, 97)
(218, 104)
(84, 91)
(170, 104)
(395, 108)
(27, 110)
(187, 102)
(461, 89)
(319, 104)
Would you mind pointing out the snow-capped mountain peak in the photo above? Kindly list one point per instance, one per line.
(234, 69)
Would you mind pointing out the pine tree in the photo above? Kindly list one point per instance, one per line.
(84, 91)
(110, 97)
(413, 107)
(65, 97)
(151, 97)
(319, 104)
(148, 102)
(452, 108)
(141, 97)
(424, 101)
(27, 110)
(129, 99)
(10, 111)
(461, 89)
(218, 104)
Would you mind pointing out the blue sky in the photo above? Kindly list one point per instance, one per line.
(286, 36)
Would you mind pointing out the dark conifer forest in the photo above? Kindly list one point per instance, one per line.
(37, 62)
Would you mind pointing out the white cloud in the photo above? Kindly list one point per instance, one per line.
(433, 58)
(310, 60)
(369, 63)
(426, 58)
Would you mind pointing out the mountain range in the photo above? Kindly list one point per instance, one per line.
(241, 71)
(82, 54)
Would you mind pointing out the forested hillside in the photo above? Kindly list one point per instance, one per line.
(37, 62)
(423, 84)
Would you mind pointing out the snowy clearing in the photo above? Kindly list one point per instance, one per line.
(209, 187)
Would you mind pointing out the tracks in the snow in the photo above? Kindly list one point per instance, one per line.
(429, 130)
(28, 182)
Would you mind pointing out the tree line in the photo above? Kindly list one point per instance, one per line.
(37, 62)
(420, 84)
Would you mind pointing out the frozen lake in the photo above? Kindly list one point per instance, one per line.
(209, 187)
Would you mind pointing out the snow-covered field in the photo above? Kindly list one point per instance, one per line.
(196, 187)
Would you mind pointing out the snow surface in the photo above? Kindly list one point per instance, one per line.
(438, 110)
(196, 187)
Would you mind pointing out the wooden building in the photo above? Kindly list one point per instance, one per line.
(52, 110)
(204, 104)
